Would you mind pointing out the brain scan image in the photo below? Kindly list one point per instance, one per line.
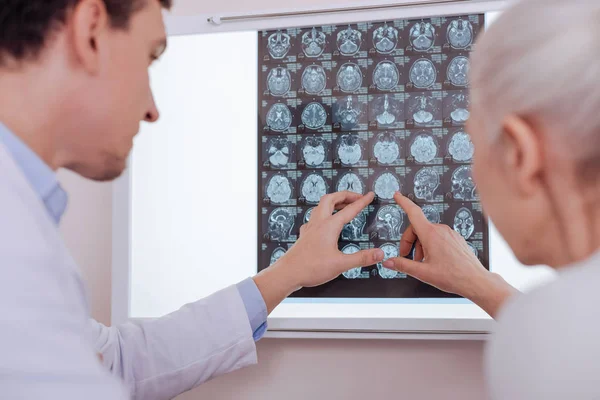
(314, 79)
(313, 43)
(279, 189)
(313, 188)
(463, 186)
(279, 117)
(348, 114)
(386, 75)
(277, 254)
(354, 272)
(458, 71)
(354, 229)
(390, 250)
(307, 215)
(386, 110)
(473, 249)
(350, 182)
(386, 149)
(313, 151)
(460, 104)
(385, 39)
(464, 223)
(349, 78)
(281, 222)
(426, 181)
(278, 150)
(279, 81)
(422, 109)
(423, 73)
(349, 41)
(424, 148)
(422, 36)
(349, 150)
(314, 116)
(388, 222)
(460, 147)
(432, 214)
(386, 185)
(460, 34)
(279, 45)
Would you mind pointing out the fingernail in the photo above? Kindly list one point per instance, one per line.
(379, 255)
(388, 264)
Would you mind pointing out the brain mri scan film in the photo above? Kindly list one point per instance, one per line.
(349, 78)
(427, 180)
(277, 254)
(458, 71)
(432, 214)
(307, 215)
(422, 36)
(279, 44)
(314, 79)
(460, 104)
(386, 149)
(460, 147)
(314, 116)
(278, 150)
(313, 188)
(279, 81)
(350, 182)
(313, 151)
(349, 150)
(424, 148)
(313, 43)
(464, 223)
(423, 109)
(281, 222)
(463, 186)
(386, 75)
(386, 110)
(349, 41)
(423, 73)
(385, 39)
(279, 189)
(388, 223)
(386, 185)
(348, 114)
(354, 272)
(460, 34)
(390, 250)
(279, 117)
(353, 231)
(473, 249)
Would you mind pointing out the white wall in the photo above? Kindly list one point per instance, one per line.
(288, 369)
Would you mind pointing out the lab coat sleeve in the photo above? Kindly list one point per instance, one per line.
(162, 358)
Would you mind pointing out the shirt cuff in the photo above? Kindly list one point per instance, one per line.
(255, 307)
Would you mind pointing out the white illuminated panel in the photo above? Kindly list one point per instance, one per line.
(192, 202)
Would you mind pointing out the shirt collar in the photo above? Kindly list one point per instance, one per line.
(39, 175)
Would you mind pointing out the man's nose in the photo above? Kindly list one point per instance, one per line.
(152, 114)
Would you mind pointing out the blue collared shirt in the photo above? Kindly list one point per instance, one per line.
(45, 183)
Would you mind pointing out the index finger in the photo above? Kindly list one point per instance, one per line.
(352, 210)
(328, 203)
(417, 219)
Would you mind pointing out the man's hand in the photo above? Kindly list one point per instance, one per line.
(315, 258)
(444, 260)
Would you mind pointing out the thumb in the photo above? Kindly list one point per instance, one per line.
(363, 258)
(401, 264)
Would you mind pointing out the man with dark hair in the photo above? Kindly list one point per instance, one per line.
(74, 88)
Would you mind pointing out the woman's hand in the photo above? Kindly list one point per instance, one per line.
(444, 260)
(315, 258)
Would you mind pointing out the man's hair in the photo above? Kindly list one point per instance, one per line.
(25, 25)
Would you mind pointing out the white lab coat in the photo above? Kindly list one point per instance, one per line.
(48, 344)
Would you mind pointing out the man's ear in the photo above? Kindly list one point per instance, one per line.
(89, 22)
(522, 154)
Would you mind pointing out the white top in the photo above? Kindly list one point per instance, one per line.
(546, 346)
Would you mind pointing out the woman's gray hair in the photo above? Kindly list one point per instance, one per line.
(541, 60)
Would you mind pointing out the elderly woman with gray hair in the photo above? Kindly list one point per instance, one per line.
(535, 124)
